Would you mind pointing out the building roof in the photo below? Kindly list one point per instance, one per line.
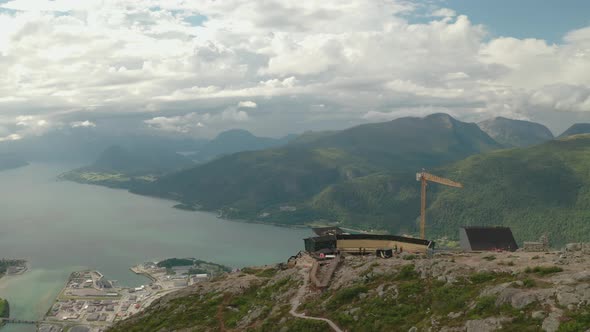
(325, 238)
(383, 237)
(488, 238)
(323, 231)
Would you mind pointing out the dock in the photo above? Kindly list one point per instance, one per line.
(18, 321)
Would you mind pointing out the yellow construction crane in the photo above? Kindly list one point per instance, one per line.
(424, 177)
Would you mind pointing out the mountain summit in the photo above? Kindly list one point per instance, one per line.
(516, 133)
(249, 184)
(576, 129)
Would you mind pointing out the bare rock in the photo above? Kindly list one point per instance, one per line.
(522, 299)
(581, 276)
(538, 314)
(484, 325)
(551, 323)
(454, 315)
(566, 295)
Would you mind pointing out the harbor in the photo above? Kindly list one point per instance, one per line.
(89, 302)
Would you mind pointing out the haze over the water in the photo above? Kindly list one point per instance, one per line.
(198, 68)
(60, 227)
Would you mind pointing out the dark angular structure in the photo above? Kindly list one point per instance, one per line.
(324, 231)
(318, 243)
(487, 239)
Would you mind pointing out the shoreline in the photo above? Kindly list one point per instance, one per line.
(217, 212)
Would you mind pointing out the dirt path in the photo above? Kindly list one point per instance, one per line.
(219, 314)
(296, 301)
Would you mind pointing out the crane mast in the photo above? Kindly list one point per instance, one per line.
(424, 178)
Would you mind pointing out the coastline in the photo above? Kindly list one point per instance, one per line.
(178, 203)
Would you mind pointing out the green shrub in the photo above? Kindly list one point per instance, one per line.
(529, 283)
(484, 307)
(481, 277)
(577, 322)
(345, 296)
(407, 273)
(543, 270)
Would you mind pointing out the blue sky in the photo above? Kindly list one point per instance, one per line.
(543, 19)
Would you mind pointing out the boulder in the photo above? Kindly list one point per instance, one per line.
(551, 323)
(484, 325)
(522, 299)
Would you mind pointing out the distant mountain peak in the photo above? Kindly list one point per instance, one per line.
(516, 133)
(576, 129)
(234, 133)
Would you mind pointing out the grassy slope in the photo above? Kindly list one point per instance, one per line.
(534, 190)
(378, 299)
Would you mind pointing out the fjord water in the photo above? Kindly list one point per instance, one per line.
(60, 227)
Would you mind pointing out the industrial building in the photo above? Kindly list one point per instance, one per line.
(487, 239)
(365, 243)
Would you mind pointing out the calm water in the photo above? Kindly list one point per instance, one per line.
(62, 226)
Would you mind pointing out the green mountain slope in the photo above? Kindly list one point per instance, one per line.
(127, 167)
(237, 140)
(576, 129)
(143, 160)
(281, 183)
(408, 143)
(516, 133)
(536, 190)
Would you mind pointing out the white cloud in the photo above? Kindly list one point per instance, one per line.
(247, 104)
(444, 12)
(181, 124)
(11, 137)
(193, 123)
(350, 55)
(83, 124)
(233, 114)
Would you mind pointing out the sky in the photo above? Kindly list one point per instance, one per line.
(195, 68)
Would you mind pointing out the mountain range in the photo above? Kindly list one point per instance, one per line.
(236, 140)
(364, 178)
(516, 133)
(285, 184)
(576, 129)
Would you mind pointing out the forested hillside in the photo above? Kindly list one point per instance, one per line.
(280, 184)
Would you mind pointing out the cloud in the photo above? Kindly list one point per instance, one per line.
(82, 124)
(11, 137)
(117, 57)
(234, 114)
(181, 124)
(247, 104)
(444, 12)
(194, 123)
